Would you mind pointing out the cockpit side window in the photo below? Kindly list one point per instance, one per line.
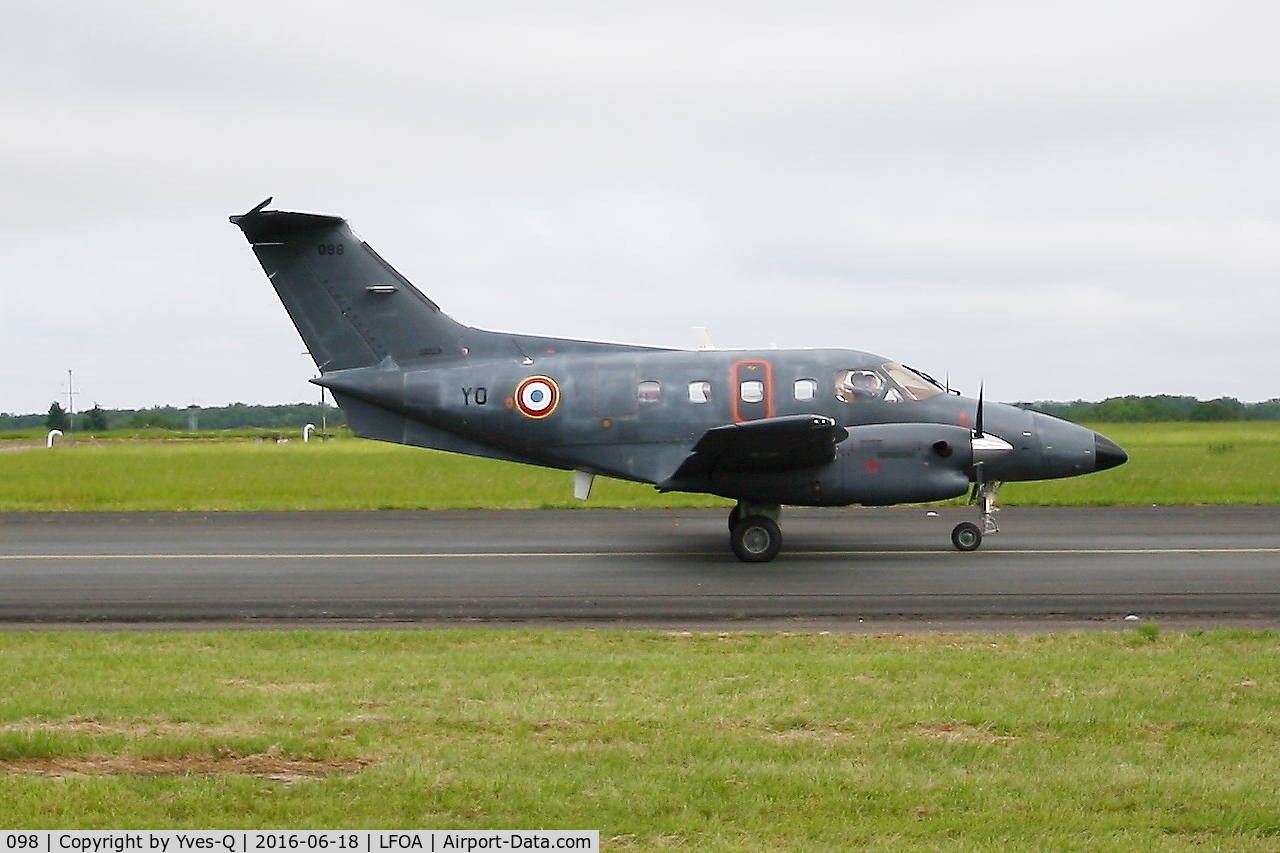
(916, 385)
(859, 385)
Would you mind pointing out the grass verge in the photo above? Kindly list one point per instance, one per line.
(349, 474)
(1170, 464)
(1106, 741)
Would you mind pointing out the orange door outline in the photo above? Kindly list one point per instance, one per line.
(751, 370)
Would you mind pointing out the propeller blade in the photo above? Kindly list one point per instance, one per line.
(977, 425)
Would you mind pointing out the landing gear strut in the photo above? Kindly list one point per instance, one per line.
(754, 534)
(967, 536)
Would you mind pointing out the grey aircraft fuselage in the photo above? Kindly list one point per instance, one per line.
(811, 427)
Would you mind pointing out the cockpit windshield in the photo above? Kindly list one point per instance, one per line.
(916, 385)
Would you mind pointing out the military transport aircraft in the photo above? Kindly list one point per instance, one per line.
(811, 427)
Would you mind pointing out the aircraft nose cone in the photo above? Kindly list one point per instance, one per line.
(1107, 454)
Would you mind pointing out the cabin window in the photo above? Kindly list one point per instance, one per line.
(806, 389)
(648, 391)
(700, 391)
(752, 391)
(859, 386)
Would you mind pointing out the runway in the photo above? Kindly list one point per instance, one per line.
(839, 568)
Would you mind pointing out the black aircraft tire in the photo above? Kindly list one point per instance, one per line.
(756, 539)
(966, 536)
(735, 515)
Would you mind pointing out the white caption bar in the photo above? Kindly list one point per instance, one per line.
(263, 841)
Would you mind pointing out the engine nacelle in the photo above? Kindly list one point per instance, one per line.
(883, 464)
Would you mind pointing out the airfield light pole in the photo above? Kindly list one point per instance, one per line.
(72, 391)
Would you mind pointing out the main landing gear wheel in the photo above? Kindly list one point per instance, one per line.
(966, 536)
(755, 539)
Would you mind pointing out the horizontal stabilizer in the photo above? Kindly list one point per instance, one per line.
(273, 226)
(773, 444)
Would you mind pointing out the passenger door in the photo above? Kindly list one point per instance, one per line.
(752, 383)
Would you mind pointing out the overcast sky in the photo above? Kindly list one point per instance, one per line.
(1064, 200)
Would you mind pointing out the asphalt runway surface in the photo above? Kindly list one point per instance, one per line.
(847, 569)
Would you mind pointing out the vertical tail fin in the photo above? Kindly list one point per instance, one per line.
(350, 306)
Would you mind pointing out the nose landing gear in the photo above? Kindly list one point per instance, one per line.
(967, 536)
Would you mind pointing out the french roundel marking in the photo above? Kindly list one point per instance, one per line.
(537, 396)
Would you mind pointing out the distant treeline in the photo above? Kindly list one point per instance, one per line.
(1159, 408)
(235, 416)
(1130, 409)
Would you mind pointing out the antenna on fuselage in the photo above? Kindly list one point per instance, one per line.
(705, 343)
(526, 360)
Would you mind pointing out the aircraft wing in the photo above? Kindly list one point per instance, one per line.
(770, 444)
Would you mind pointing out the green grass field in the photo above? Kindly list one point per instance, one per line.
(662, 741)
(1183, 463)
(348, 473)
